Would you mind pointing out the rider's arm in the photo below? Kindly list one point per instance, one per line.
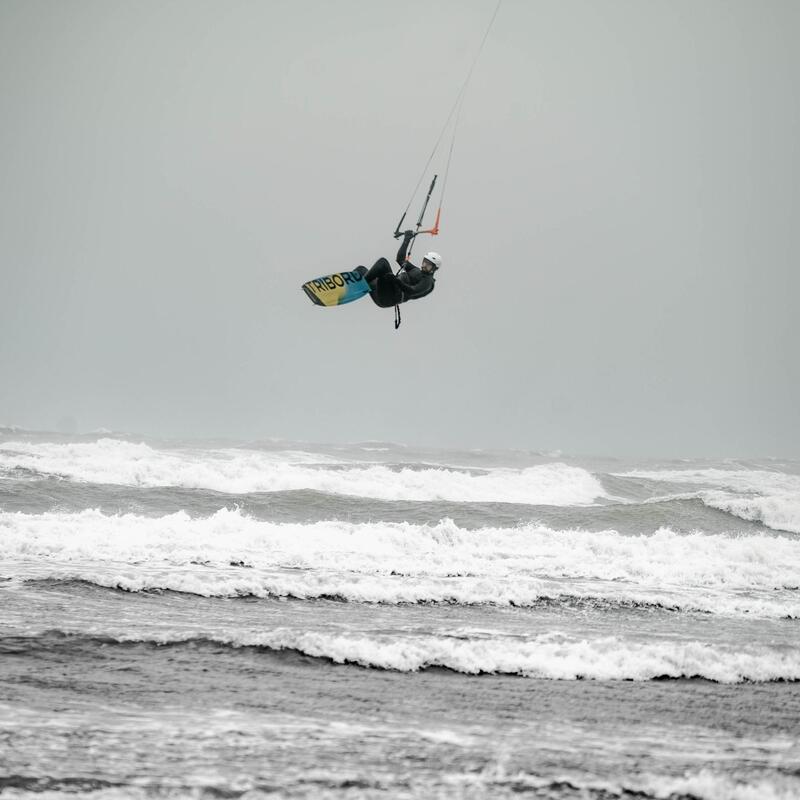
(408, 236)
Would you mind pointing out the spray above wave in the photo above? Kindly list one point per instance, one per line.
(665, 559)
(772, 498)
(551, 655)
(243, 471)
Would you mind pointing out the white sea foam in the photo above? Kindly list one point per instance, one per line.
(709, 785)
(241, 471)
(404, 562)
(772, 498)
(395, 590)
(705, 784)
(550, 655)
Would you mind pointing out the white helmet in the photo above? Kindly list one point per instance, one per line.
(433, 258)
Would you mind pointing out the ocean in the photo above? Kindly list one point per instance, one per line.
(296, 620)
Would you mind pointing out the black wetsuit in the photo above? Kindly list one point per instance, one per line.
(388, 289)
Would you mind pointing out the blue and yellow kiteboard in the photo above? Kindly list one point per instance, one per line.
(336, 289)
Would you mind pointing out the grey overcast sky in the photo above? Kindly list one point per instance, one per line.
(620, 233)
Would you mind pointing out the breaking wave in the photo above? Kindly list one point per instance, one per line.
(385, 562)
(239, 471)
(438, 550)
(405, 590)
(551, 655)
(771, 498)
(779, 512)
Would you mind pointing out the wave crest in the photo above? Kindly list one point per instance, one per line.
(441, 550)
(553, 655)
(238, 471)
(771, 498)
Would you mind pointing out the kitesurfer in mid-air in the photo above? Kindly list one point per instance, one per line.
(388, 289)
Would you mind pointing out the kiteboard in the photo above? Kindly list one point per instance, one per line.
(336, 289)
